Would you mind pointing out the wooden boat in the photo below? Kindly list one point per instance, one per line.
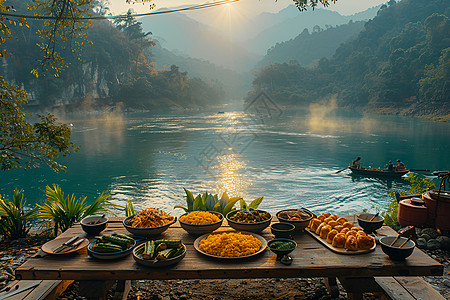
(371, 172)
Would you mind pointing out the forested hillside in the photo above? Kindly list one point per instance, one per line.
(115, 70)
(308, 47)
(398, 63)
(236, 84)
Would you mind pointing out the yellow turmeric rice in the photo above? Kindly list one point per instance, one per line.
(199, 217)
(230, 244)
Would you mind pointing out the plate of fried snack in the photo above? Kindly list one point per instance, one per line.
(340, 235)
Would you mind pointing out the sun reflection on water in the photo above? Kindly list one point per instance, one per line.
(231, 178)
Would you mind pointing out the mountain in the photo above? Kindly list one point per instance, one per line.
(181, 34)
(399, 63)
(289, 22)
(234, 83)
(230, 38)
(306, 48)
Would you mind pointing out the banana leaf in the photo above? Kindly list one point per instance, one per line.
(210, 202)
(189, 200)
(230, 205)
(243, 204)
(255, 203)
(223, 201)
(198, 203)
(182, 207)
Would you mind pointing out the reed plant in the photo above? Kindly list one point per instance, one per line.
(64, 211)
(16, 219)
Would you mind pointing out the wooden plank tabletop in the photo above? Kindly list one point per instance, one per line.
(310, 259)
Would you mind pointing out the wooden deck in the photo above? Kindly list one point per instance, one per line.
(311, 259)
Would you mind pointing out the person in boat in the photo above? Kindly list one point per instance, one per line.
(400, 166)
(357, 163)
(391, 167)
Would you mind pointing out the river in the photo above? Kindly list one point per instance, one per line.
(290, 157)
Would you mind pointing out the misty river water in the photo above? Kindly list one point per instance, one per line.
(289, 157)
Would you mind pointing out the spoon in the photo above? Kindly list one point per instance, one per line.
(286, 260)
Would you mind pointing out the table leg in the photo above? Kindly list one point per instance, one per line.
(332, 286)
(123, 287)
(95, 289)
(356, 286)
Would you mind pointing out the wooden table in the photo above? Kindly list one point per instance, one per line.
(311, 259)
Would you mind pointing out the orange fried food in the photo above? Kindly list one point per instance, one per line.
(339, 241)
(350, 232)
(334, 217)
(341, 220)
(355, 229)
(314, 224)
(331, 235)
(348, 225)
(351, 243)
(365, 242)
(333, 223)
(150, 217)
(321, 218)
(326, 214)
(325, 231)
(338, 228)
(360, 233)
(319, 228)
(327, 220)
(345, 230)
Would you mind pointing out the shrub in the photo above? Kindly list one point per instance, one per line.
(65, 211)
(419, 185)
(15, 218)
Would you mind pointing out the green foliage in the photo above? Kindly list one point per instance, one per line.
(129, 209)
(64, 34)
(23, 145)
(65, 211)
(15, 219)
(390, 215)
(212, 202)
(398, 63)
(307, 48)
(303, 4)
(419, 185)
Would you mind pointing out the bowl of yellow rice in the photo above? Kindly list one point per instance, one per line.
(201, 222)
(230, 244)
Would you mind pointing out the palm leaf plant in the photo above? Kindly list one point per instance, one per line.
(65, 211)
(212, 202)
(129, 209)
(15, 219)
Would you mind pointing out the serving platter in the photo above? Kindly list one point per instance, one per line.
(200, 238)
(340, 250)
(50, 246)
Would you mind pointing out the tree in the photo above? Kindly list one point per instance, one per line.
(26, 145)
(23, 144)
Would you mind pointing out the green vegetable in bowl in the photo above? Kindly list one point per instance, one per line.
(160, 250)
(282, 245)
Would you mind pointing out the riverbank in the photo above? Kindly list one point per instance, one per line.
(15, 253)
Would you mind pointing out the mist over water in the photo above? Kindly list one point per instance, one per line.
(291, 159)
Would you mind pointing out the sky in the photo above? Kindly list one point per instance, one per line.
(252, 7)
